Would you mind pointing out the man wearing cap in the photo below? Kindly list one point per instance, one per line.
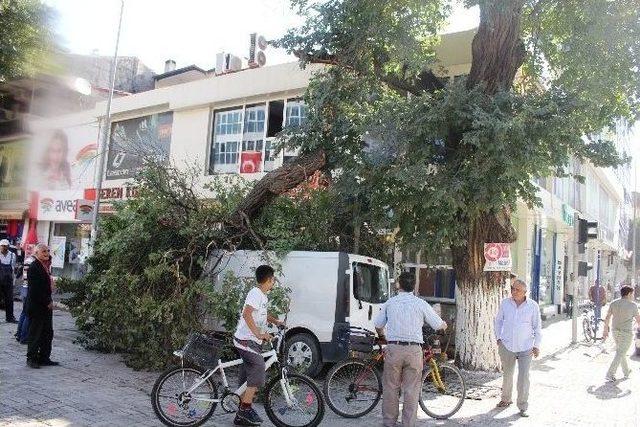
(403, 316)
(7, 267)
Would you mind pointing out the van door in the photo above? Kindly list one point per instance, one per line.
(369, 290)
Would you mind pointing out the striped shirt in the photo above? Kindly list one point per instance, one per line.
(519, 326)
(404, 315)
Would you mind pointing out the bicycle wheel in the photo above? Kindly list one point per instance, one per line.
(441, 403)
(306, 408)
(174, 406)
(352, 388)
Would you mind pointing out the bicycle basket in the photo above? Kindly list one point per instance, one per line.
(202, 350)
(361, 341)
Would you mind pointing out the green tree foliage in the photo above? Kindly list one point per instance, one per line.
(25, 37)
(443, 162)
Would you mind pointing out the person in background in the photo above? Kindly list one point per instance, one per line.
(621, 313)
(518, 329)
(403, 315)
(7, 269)
(570, 291)
(598, 297)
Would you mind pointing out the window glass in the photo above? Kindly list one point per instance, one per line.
(296, 112)
(370, 283)
(226, 141)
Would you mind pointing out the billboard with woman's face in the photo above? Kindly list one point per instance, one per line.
(64, 159)
(136, 140)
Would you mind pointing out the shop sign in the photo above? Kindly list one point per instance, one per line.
(558, 279)
(497, 257)
(57, 205)
(116, 193)
(84, 210)
(58, 244)
(567, 215)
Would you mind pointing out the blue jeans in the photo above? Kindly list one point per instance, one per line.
(23, 327)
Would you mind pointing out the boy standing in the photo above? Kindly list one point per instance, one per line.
(248, 340)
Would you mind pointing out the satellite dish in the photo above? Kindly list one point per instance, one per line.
(262, 58)
(262, 43)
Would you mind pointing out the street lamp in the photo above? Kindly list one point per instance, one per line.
(104, 141)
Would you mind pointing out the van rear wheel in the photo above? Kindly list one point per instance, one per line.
(303, 353)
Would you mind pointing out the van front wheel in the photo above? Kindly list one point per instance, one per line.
(303, 353)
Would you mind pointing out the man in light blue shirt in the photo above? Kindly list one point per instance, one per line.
(518, 333)
(403, 315)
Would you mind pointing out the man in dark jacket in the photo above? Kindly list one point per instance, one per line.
(39, 310)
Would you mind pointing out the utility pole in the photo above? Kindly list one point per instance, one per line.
(104, 140)
(577, 285)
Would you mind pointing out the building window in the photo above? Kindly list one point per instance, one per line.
(253, 139)
(296, 112)
(226, 141)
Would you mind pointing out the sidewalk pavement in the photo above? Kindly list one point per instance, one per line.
(94, 389)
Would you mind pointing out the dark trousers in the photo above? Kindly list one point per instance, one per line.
(7, 291)
(23, 327)
(40, 337)
(569, 307)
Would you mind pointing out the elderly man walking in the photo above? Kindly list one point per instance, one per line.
(403, 315)
(518, 333)
(621, 314)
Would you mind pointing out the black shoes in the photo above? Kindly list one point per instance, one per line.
(33, 364)
(247, 417)
(49, 362)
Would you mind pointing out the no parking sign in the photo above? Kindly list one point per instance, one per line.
(497, 257)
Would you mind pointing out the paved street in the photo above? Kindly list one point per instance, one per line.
(93, 389)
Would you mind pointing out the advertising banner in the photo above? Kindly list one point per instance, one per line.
(57, 206)
(497, 257)
(134, 140)
(12, 161)
(64, 159)
(57, 249)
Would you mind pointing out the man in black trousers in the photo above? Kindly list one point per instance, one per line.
(7, 269)
(39, 310)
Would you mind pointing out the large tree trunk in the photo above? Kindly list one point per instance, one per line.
(476, 305)
(498, 53)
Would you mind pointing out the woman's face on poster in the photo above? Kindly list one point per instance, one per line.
(57, 153)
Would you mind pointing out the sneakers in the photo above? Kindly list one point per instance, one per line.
(523, 413)
(48, 362)
(247, 417)
(610, 378)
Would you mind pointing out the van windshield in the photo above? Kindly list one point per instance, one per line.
(370, 283)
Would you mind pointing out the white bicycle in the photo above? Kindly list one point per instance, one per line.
(188, 396)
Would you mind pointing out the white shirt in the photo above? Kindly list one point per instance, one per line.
(404, 315)
(8, 259)
(571, 287)
(519, 327)
(259, 301)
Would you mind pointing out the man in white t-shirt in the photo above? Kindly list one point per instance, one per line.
(248, 339)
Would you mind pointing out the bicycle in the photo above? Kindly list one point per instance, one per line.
(187, 396)
(353, 387)
(592, 329)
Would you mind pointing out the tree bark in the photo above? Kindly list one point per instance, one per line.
(476, 305)
(277, 182)
(498, 53)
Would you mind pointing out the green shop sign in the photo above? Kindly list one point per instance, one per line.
(567, 215)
